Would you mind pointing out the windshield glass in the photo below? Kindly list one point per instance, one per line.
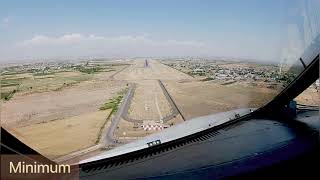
(87, 78)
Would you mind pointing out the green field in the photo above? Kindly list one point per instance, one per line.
(20, 79)
(37, 83)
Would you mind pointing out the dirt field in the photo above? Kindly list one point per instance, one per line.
(53, 98)
(202, 98)
(309, 97)
(47, 106)
(59, 121)
(63, 136)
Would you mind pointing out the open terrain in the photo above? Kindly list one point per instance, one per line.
(61, 113)
(106, 104)
(86, 97)
(199, 98)
(310, 96)
(63, 136)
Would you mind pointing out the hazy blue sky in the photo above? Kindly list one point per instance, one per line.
(237, 28)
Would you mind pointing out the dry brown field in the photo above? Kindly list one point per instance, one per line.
(199, 98)
(63, 136)
(57, 122)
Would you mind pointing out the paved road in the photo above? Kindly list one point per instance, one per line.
(109, 138)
